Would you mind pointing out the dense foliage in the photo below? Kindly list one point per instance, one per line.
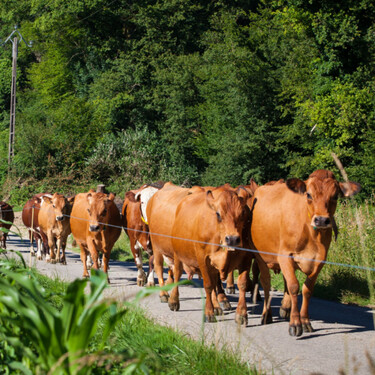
(197, 92)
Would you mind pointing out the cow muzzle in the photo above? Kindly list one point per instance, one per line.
(232, 240)
(321, 222)
(94, 228)
(59, 218)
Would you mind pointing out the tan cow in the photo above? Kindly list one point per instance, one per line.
(291, 227)
(54, 221)
(199, 229)
(96, 225)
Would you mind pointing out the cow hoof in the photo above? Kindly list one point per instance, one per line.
(140, 282)
(266, 318)
(284, 313)
(164, 298)
(210, 319)
(218, 311)
(307, 327)
(150, 284)
(174, 306)
(241, 319)
(295, 330)
(52, 261)
(225, 305)
(231, 290)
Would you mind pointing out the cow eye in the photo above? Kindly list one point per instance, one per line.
(88, 210)
(218, 216)
(104, 213)
(53, 206)
(309, 196)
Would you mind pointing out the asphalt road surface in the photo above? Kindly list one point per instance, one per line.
(343, 339)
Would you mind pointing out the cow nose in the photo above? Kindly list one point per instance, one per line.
(59, 218)
(232, 240)
(94, 228)
(322, 221)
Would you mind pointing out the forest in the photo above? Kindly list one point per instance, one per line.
(124, 92)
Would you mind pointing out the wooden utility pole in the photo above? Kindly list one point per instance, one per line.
(13, 102)
(12, 125)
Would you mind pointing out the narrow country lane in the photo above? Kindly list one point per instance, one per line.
(344, 335)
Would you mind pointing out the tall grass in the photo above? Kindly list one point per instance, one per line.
(354, 246)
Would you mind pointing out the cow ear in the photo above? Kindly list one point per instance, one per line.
(47, 199)
(71, 199)
(296, 185)
(349, 188)
(210, 200)
(243, 194)
(253, 186)
(89, 198)
(111, 196)
(132, 197)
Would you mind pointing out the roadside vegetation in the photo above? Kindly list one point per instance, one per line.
(51, 327)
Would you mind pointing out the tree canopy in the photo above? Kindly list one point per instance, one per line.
(196, 92)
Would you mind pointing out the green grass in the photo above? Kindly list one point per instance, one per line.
(136, 342)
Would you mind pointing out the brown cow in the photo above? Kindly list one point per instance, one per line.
(6, 214)
(135, 226)
(95, 223)
(291, 228)
(30, 214)
(55, 223)
(201, 235)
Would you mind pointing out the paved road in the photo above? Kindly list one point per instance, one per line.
(343, 334)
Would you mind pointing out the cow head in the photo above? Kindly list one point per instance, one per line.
(144, 196)
(230, 211)
(62, 206)
(98, 210)
(322, 191)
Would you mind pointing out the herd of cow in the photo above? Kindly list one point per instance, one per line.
(208, 231)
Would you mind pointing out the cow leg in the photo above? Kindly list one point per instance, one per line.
(221, 297)
(31, 238)
(39, 246)
(307, 290)
(151, 273)
(51, 245)
(286, 303)
(174, 300)
(241, 311)
(84, 254)
(265, 279)
(253, 285)
(286, 265)
(230, 283)
(63, 259)
(141, 276)
(158, 265)
(209, 282)
(106, 257)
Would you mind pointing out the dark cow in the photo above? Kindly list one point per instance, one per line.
(96, 225)
(291, 227)
(30, 213)
(6, 214)
(54, 221)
